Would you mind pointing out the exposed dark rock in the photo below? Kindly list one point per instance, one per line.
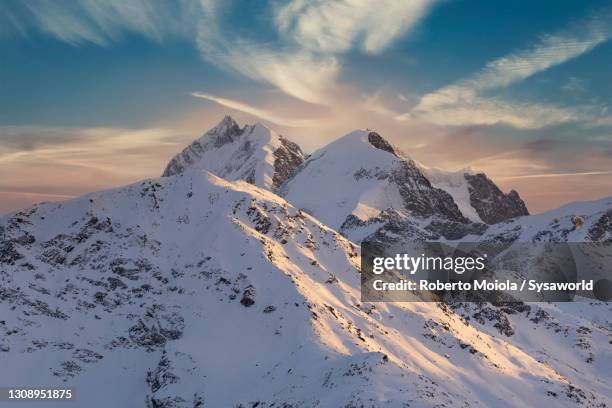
(162, 375)
(69, 369)
(8, 253)
(379, 142)
(420, 197)
(454, 229)
(269, 309)
(248, 296)
(260, 219)
(155, 328)
(287, 158)
(160, 381)
(601, 230)
(491, 204)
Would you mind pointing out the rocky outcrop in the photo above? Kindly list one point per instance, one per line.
(379, 142)
(287, 158)
(420, 197)
(601, 230)
(491, 204)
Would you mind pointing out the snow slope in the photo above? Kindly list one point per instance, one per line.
(190, 291)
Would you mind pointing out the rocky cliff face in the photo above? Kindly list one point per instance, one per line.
(491, 204)
(477, 196)
(287, 158)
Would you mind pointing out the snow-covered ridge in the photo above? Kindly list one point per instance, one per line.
(253, 153)
(258, 155)
(192, 290)
(354, 184)
(205, 292)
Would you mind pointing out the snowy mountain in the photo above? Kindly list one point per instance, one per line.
(381, 192)
(260, 156)
(204, 292)
(477, 196)
(253, 153)
(192, 290)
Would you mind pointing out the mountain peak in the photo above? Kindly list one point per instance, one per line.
(226, 123)
(359, 177)
(253, 153)
(226, 131)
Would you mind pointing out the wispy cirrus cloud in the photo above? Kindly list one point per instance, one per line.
(335, 27)
(548, 175)
(252, 110)
(478, 110)
(302, 75)
(315, 34)
(468, 101)
(304, 62)
(88, 21)
(50, 163)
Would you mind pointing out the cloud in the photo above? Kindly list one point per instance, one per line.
(251, 110)
(80, 21)
(25, 138)
(464, 103)
(548, 175)
(301, 75)
(304, 61)
(335, 27)
(297, 72)
(491, 111)
(93, 148)
(62, 162)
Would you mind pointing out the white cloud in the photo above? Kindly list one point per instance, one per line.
(304, 63)
(335, 26)
(251, 110)
(321, 30)
(80, 21)
(491, 111)
(464, 103)
(299, 74)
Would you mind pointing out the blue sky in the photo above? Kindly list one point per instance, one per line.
(109, 90)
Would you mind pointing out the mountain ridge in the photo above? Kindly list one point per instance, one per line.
(203, 291)
(206, 291)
